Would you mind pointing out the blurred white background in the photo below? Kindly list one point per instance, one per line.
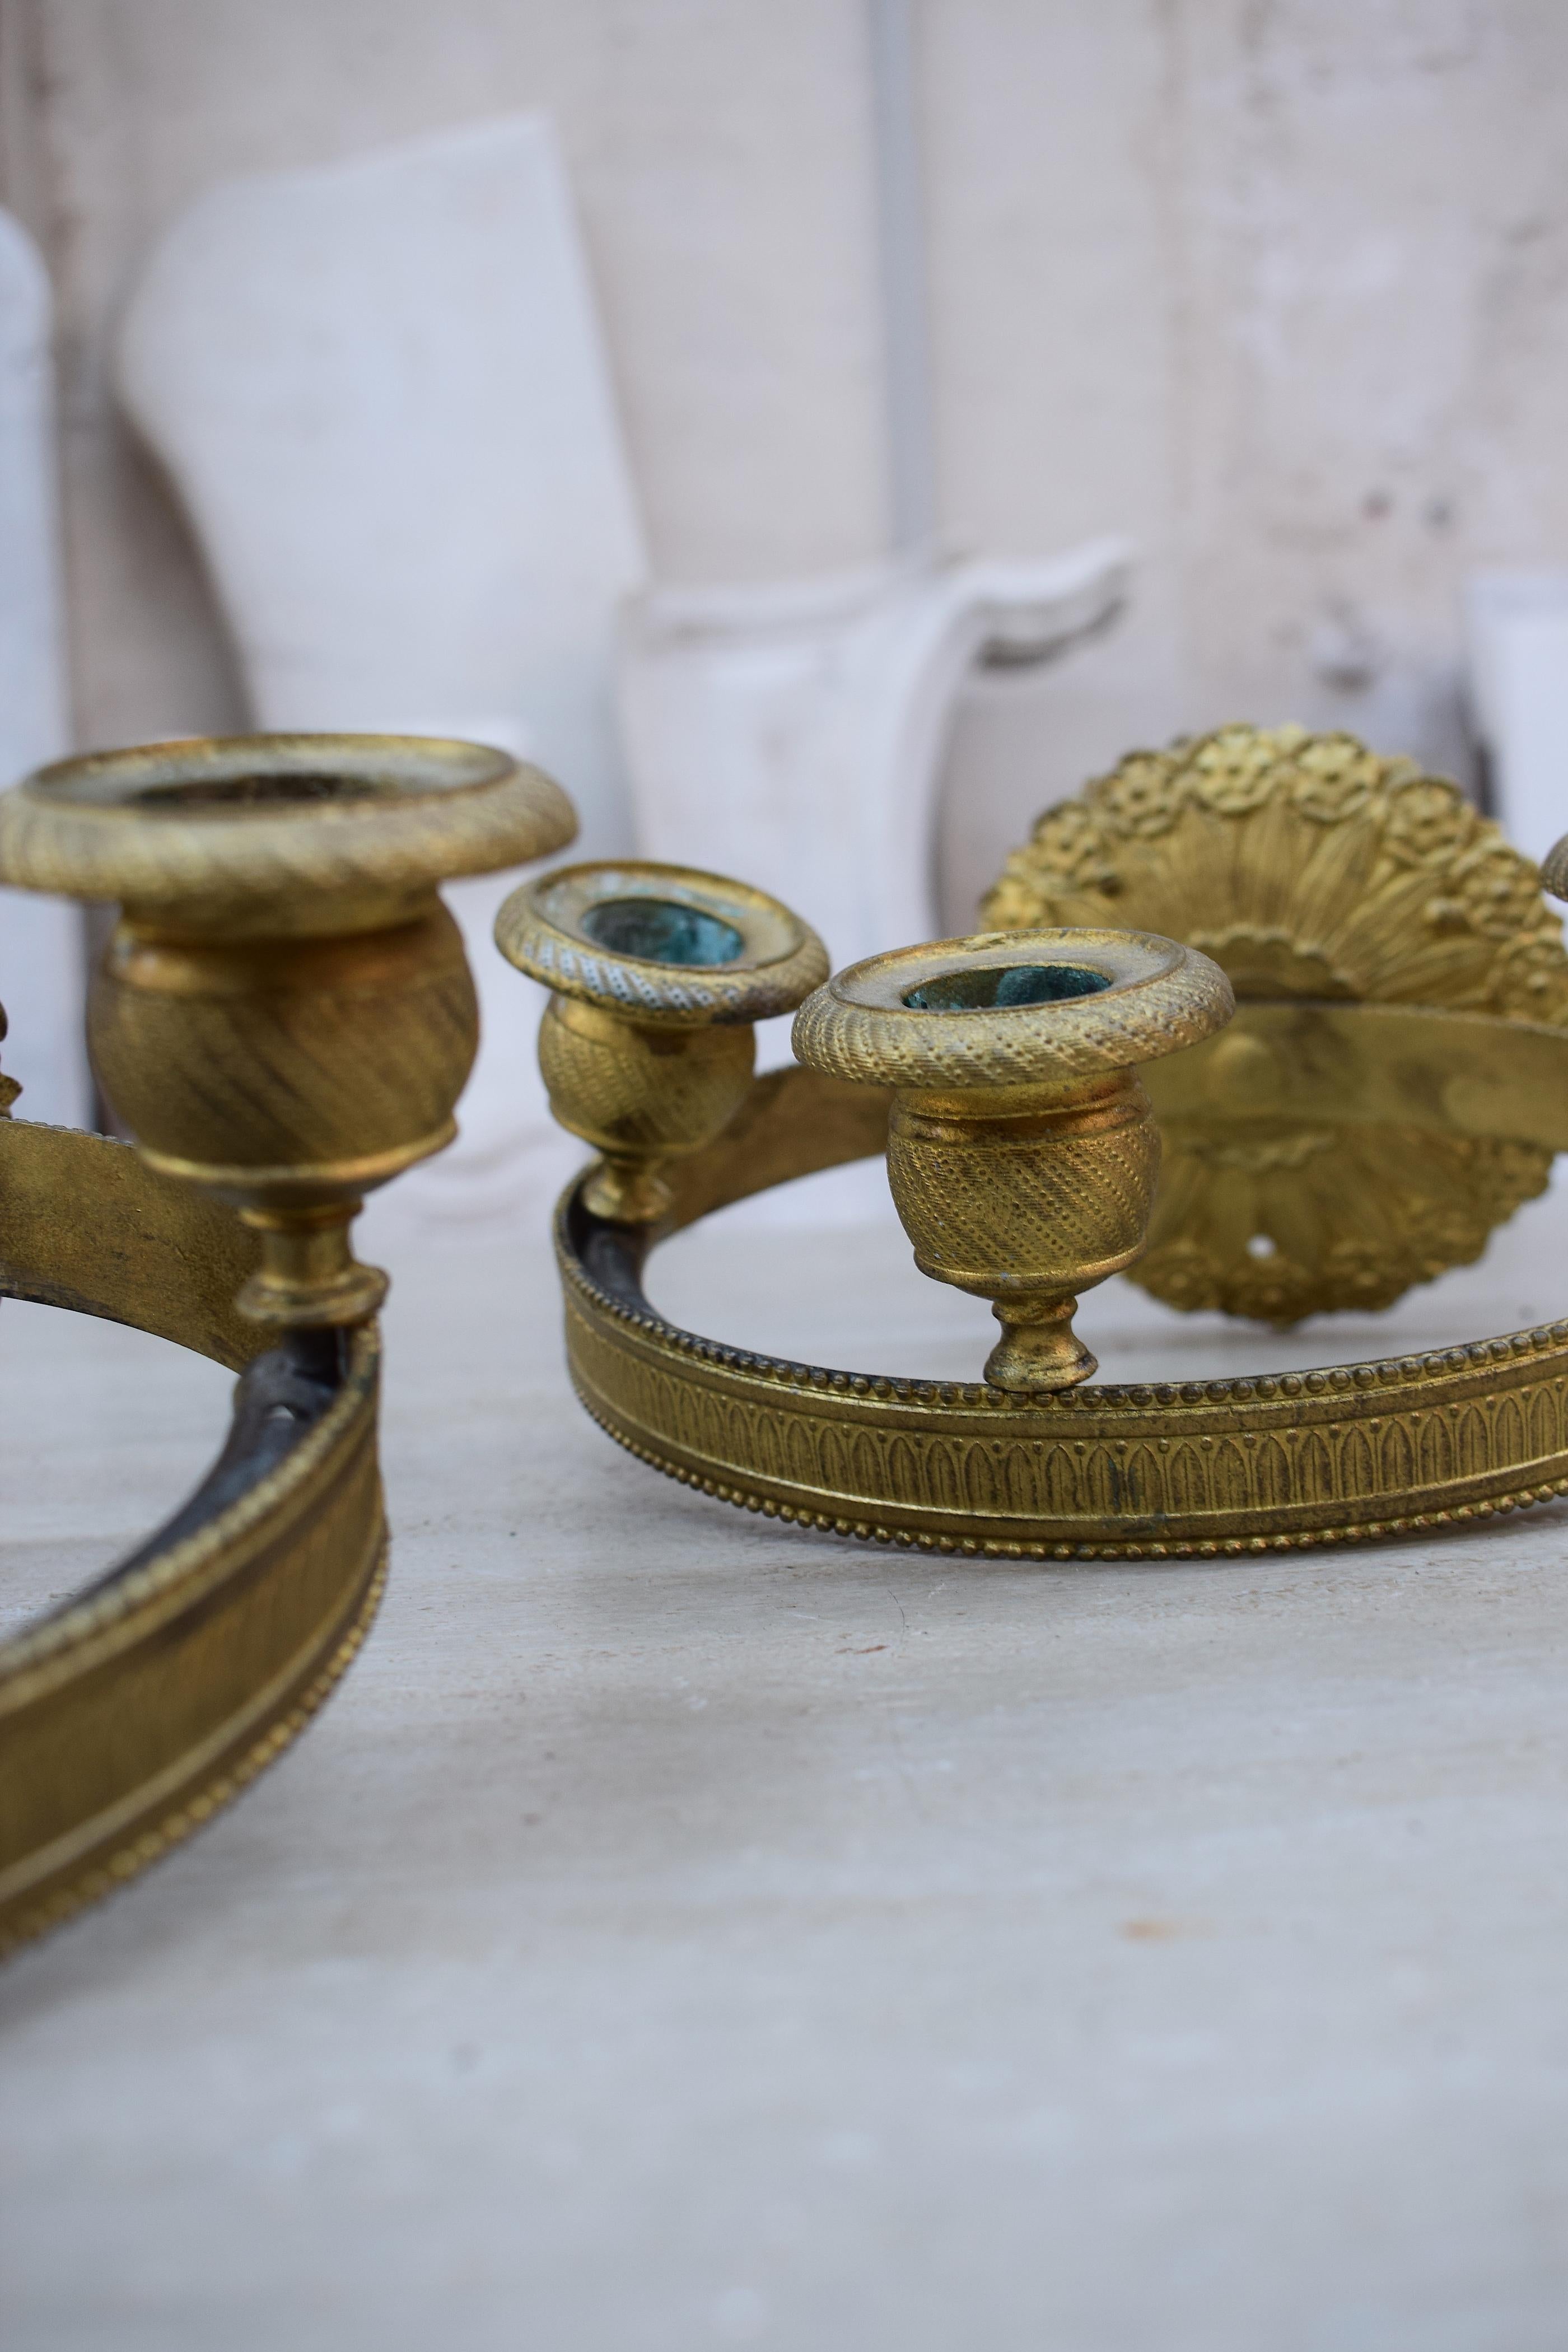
(684, 1929)
(1276, 289)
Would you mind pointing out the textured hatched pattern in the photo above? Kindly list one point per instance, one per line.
(667, 992)
(1044, 1217)
(682, 995)
(1184, 998)
(365, 1053)
(626, 1090)
(268, 870)
(1306, 865)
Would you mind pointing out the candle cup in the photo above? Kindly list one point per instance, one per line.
(657, 974)
(1022, 1153)
(284, 1014)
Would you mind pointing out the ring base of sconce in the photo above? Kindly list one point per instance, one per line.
(283, 1017)
(1144, 1471)
(138, 1710)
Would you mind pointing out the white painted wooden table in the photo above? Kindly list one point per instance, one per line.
(682, 1930)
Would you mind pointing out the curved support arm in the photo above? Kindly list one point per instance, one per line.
(133, 1711)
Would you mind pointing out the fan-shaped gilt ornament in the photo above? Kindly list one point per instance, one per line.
(1311, 870)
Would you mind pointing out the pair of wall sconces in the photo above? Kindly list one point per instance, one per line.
(1331, 991)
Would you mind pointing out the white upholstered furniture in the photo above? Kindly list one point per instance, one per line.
(794, 734)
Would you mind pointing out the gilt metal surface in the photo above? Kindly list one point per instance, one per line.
(284, 1018)
(1022, 1151)
(1395, 1081)
(1311, 870)
(656, 974)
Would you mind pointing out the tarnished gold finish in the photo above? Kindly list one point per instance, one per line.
(1400, 992)
(1140, 1472)
(1309, 868)
(9, 1089)
(86, 1224)
(284, 1014)
(656, 974)
(130, 1715)
(284, 1018)
(1022, 1152)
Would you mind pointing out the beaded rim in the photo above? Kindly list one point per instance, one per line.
(1427, 1370)
(1162, 996)
(1198, 1468)
(540, 930)
(415, 810)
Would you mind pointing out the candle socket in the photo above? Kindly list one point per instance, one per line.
(284, 1014)
(657, 974)
(1023, 1155)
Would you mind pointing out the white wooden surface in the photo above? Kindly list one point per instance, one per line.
(684, 1931)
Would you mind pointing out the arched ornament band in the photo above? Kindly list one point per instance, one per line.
(135, 1711)
(1143, 1470)
(1393, 1084)
(283, 1018)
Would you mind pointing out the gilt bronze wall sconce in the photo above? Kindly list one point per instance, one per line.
(1394, 1083)
(1313, 980)
(284, 1018)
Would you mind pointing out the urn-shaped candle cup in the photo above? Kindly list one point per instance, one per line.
(1022, 1151)
(284, 1014)
(656, 974)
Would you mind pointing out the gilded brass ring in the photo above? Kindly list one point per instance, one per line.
(133, 1713)
(284, 1017)
(1145, 1471)
(1393, 1086)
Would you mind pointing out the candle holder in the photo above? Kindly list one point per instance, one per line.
(656, 974)
(284, 1018)
(1394, 1082)
(1022, 1151)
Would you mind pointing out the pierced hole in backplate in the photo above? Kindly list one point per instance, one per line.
(662, 930)
(1262, 1245)
(1002, 985)
(281, 789)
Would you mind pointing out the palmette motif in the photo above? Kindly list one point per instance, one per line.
(1305, 865)
(1140, 1472)
(1361, 1214)
(1395, 1080)
(1308, 867)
